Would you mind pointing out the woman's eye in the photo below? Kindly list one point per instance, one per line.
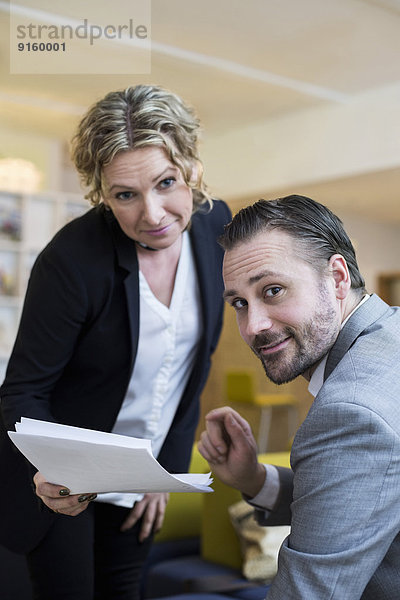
(166, 183)
(272, 291)
(124, 196)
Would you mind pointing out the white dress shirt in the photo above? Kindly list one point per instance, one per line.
(167, 348)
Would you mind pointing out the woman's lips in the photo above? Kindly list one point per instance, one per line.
(160, 231)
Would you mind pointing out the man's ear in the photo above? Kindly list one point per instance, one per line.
(341, 276)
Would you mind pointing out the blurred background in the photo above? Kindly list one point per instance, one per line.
(295, 96)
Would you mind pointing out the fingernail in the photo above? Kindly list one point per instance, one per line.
(64, 492)
(88, 497)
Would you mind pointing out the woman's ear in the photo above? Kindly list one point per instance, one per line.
(341, 277)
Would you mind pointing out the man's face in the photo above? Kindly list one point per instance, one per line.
(287, 310)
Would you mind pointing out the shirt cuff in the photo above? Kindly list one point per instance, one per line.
(268, 495)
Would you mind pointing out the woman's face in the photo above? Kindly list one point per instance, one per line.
(148, 196)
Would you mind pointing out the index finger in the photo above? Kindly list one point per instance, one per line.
(226, 428)
(216, 427)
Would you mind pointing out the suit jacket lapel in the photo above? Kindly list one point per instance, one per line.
(204, 264)
(125, 249)
(364, 316)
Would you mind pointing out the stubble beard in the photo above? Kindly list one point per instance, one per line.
(307, 345)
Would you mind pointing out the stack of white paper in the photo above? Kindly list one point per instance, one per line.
(87, 461)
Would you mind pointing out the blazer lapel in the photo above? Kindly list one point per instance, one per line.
(204, 265)
(125, 249)
(364, 316)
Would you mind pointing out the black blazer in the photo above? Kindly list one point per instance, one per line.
(76, 347)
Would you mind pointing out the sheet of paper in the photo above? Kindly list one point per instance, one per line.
(88, 461)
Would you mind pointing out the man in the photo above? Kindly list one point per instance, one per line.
(292, 277)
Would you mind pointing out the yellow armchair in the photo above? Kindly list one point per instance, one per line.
(240, 390)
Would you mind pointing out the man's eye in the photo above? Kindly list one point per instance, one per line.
(239, 303)
(273, 291)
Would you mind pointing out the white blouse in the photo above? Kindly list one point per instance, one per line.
(168, 342)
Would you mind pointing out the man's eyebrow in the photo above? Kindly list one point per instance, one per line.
(262, 275)
(251, 281)
(228, 294)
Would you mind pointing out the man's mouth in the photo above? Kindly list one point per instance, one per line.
(265, 350)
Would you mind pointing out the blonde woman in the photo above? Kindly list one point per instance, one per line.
(122, 314)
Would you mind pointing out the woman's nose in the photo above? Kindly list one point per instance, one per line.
(153, 210)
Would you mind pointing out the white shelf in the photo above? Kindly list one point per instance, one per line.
(27, 223)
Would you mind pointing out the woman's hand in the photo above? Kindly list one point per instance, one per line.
(152, 509)
(58, 498)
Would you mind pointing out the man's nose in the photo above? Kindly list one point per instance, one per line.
(258, 320)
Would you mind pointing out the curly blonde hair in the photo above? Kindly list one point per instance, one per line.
(139, 116)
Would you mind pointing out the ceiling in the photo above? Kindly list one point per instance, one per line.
(242, 64)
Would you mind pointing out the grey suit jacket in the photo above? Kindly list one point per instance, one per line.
(344, 488)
